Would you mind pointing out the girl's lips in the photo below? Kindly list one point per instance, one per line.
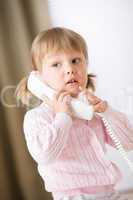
(73, 88)
(72, 80)
(73, 83)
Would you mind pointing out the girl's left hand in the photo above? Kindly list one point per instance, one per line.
(99, 105)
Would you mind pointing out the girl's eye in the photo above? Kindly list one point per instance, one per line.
(56, 64)
(76, 60)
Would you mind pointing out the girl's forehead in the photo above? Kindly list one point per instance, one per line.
(61, 54)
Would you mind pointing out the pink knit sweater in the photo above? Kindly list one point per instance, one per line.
(71, 152)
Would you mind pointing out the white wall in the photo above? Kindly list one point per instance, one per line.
(107, 27)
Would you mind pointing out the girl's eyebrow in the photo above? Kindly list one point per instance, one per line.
(52, 58)
(76, 57)
(55, 60)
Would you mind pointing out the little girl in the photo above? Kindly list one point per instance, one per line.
(71, 152)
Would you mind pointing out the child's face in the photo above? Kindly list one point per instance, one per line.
(65, 71)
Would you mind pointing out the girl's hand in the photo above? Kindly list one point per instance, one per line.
(99, 105)
(60, 103)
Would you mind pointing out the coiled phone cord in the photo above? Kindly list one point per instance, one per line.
(117, 142)
(115, 139)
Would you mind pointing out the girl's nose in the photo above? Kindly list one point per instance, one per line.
(70, 72)
(69, 69)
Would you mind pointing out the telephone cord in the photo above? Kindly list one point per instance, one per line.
(117, 143)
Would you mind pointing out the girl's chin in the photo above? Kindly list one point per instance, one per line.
(74, 93)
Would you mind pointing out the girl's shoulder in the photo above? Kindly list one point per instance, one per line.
(40, 111)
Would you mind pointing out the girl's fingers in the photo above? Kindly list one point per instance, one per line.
(64, 96)
(92, 98)
(60, 95)
(101, 107)
(67, 99)
(56, 95)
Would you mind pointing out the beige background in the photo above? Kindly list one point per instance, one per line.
(20, 21)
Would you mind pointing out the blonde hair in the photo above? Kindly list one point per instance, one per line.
(53, 40)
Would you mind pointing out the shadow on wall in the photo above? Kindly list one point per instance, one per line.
(21, 21)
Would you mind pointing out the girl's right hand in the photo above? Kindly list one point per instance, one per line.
(98, 104)
(60, 102)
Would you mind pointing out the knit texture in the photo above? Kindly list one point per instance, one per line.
(71, 153)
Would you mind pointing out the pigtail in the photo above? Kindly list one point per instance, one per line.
(22, 93)
(91, 82)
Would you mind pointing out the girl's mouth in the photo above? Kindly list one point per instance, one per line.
(72, 82)
(73, 87)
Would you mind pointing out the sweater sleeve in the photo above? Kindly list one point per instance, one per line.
(121, 126)
(46, 140)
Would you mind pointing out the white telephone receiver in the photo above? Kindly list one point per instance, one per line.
(81, 108)
(38, 88)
